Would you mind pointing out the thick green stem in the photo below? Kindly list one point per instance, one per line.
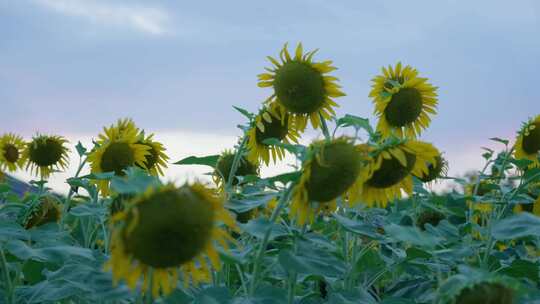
(236, 163)
(258, 259)
(7, 279)
(324, 128)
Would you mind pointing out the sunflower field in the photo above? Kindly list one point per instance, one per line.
(356, 220)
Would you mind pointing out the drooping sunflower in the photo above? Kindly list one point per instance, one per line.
(435, 170)
(486, 292)
(115, 152)
(431, 217)
(269, 124)
(391, 168)
(225, 164)
(301, 88)
(156, 159)
(45, 154)
(11, 152)
(47, 210)
(403, 101)
(528, 142)
(168, 231)
(332, 169)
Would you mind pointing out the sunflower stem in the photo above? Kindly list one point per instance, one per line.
(324, 128)
(258, 259)
(67, 202)
(236, 163)
(7, 279)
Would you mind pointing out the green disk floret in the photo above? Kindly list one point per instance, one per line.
(299, 87)
(117, 157)
(173, 226)
(334, 169)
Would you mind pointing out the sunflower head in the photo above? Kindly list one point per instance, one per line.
(528, 141)
(46, 153)
(224, 166)
(11, 152)
(486, 292)
(301, 87)
(435, 170)
(431, 217)
(46, 211)
(115, 152)
(391, 167)
(403, 101)
(335, 168)
(332, 169)
(269, 124)
(156, 159)
(168, 229)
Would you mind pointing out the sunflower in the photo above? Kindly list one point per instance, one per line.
(11, 152)
(431, 217)
(485, 292)
(224, 166)
(533, 208)
(528, 142)
(116, 151)
(437, 169)
(116, 131)
(269, 124)
(403, 101)
(45, 154)
(332, 169)
(46, 211)
(391, 168)
(301, 87)
(168, 231)
(156, 159)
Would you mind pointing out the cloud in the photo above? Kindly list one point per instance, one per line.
(149, 20)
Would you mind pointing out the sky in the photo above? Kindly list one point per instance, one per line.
(70, 67)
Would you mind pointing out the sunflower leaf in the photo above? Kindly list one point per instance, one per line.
(244, 112)
(80, 149)
(517, 226)
(356, 122)
(210, 160)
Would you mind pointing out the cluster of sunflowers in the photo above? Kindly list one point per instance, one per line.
(165, 231)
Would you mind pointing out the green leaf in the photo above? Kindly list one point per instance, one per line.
(194, 160)
(81, 150)
(503, 141)
(53, 254)
(213, 295)
(10, 231)
(312, 261)
(99, 176)
(416, 253)
(357, 227)
(355, 121)
(283, 178)
(258, 227)
(516, 226)
(411, 235)
(351, 297)
(89, 210)
(244, 112)
(522, 269)
(135, 181)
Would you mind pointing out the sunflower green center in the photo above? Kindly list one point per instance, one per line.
(46, 151)
(11, 153)
(276, 129)
(117, 157)
(334, 171)
(434, 171)
(299, 87)
(225, 163)
(487, 293)
(404, 107)
(531, 142)
(173, 227)
(429, 217)
(391, 172)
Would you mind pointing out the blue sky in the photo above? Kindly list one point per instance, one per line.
(70, 67)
